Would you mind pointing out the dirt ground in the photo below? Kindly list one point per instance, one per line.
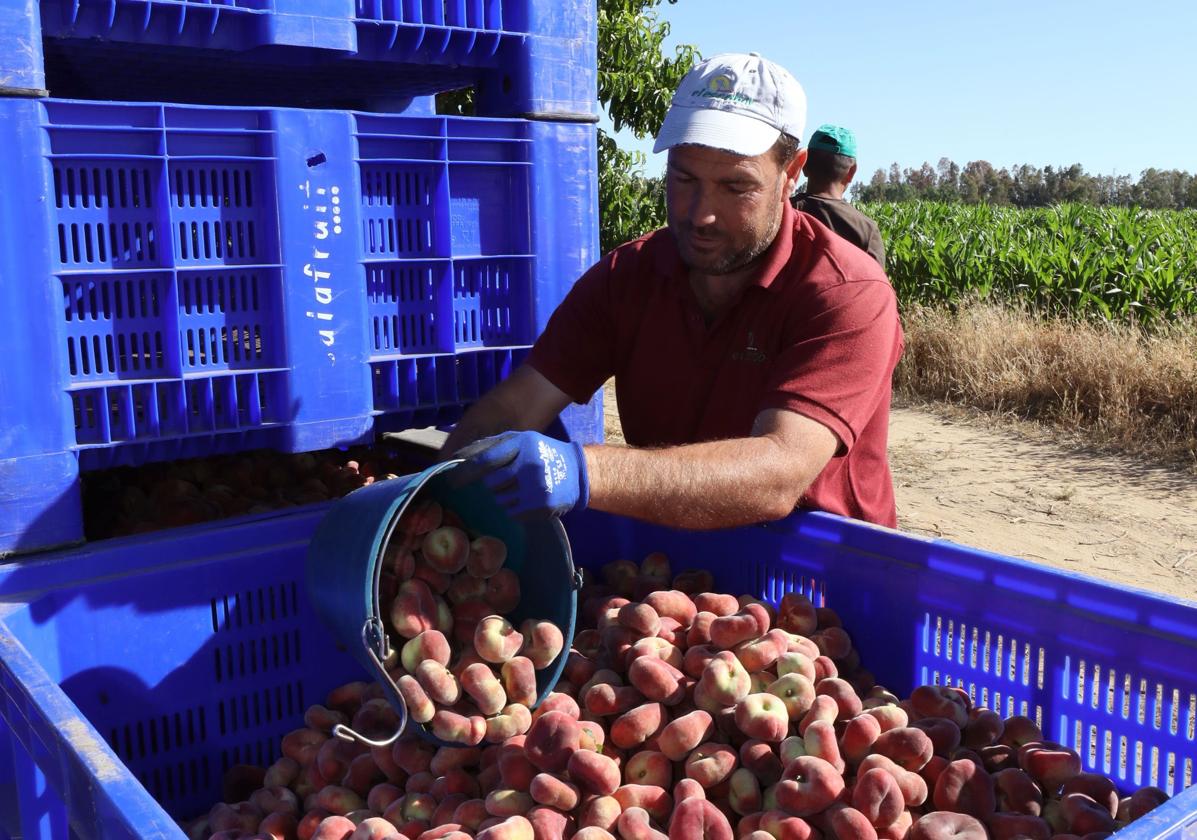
(1012, 489)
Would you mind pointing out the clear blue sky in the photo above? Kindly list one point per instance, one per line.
(1109, 85)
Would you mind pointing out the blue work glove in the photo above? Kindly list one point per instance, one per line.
(532, 475)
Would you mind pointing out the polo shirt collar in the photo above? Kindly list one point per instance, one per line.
(669, 259)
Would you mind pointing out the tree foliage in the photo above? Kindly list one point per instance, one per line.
(635, 83)
(979, 182)
(630, 202)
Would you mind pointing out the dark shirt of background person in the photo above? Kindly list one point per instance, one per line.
(830, 168)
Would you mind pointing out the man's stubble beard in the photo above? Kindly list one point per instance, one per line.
(740, 259)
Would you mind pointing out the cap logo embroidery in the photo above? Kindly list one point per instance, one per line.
(721, 83)
(723, 87)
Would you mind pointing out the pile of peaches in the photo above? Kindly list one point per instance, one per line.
(682, 713)
(135, 500)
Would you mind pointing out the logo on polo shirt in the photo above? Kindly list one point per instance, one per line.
(750, 353)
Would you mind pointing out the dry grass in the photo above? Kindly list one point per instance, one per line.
(1110, 386)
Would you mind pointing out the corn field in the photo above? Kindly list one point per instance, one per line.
(1111, 263)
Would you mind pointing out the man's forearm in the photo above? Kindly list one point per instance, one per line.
(525, 400)
(489, 416)
(721, 484)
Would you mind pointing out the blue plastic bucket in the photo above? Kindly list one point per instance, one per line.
(344, 566)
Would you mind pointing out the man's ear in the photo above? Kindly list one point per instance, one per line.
(851, 174)
(794, 169)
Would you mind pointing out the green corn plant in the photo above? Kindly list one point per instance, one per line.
(1070, 260)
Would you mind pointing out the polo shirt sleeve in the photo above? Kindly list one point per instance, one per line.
(837, 368)
(576, 351)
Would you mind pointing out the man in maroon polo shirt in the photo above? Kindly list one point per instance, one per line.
(752, 348)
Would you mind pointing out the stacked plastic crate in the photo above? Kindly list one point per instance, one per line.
(240, 224)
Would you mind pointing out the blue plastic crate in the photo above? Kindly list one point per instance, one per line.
(133, 684)
(526, 57)
(197, 280)
(191, 668)
(1110, 671)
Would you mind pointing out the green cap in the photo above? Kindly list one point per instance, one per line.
(834, 139)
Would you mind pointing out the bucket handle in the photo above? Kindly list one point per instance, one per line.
(346, 733)
(374, 639)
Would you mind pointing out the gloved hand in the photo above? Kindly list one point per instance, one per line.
(532, 475)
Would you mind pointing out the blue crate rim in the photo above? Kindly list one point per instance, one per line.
(1022, 564)
(193, 106)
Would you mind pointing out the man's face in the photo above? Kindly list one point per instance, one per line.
(724, 209)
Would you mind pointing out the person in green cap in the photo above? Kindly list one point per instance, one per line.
(830, 168)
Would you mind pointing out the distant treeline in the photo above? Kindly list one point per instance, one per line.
(978, 182)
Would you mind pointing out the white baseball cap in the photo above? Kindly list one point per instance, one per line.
(736, 102)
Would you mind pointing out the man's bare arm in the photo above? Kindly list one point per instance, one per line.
(524, 400)
(721, 484)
